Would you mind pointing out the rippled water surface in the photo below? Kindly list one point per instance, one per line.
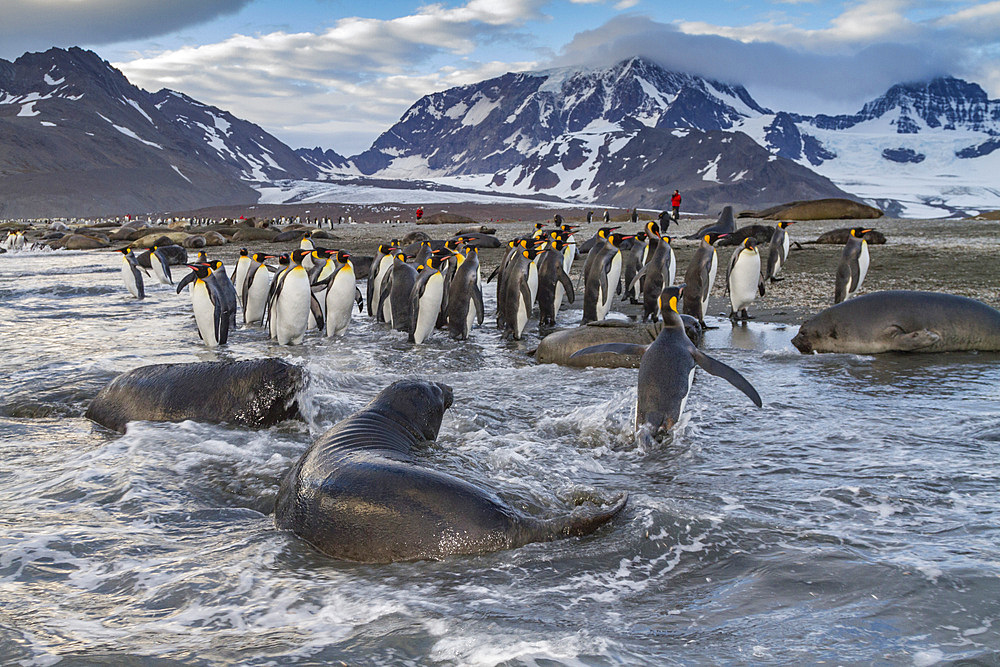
(855, 518)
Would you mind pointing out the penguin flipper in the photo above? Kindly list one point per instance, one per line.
(613, 348)
(477, 300)
(760, 286)
(526, 295)
(360, 299)
(189, 278)
(317, 311)
(731, 375)
(567, 284)
(638, 276)
(493, 275)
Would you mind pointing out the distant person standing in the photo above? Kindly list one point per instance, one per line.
(607, 217)
(420, 213)
(675, 203)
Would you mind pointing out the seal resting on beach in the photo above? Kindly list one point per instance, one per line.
(901, 321)
(359, 494)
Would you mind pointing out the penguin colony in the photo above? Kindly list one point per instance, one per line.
(437, 286)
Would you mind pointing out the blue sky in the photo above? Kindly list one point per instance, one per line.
(335, 74)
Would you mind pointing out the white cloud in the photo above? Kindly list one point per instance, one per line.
(40, 24)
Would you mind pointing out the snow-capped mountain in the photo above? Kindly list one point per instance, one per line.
(78, 138)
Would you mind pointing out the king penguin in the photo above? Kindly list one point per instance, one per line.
(777, 253)
(239, 277)
(256, 288)
(341, 294)
(743, 279)
(291, 302)
(601, 275)
(465, 297)
(658, 272)
(553, 283)
(700, 278)
(131, 275)
(210, 311)
(426, 298)
(160, 265)
(853, 265)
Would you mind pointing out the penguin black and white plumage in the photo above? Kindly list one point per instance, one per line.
(396, 289)
(239, 276)
(380, 267)
(553, 283)
(226, 287)
(426, 297)
(341, 295)
(853, 265)
(161, 266)
(700, 278)
(513, 248)
(256, 288)
(658, 272)
(743, 280)
(131, 275)
(465, 297)
(291, 302)
(601, 275)
(568, 237)
(634, 256)
(777, 252)
(666, 369)
(211, 313)
(514, 307)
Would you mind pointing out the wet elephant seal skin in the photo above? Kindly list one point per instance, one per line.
(559, 346)
(255, 393)
(901, 321)
(359, 494)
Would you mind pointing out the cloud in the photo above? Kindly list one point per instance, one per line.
(355, 79)
(39, 24)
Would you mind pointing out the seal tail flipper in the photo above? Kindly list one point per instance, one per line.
(731, 375)
(614, 348)
(581, 521)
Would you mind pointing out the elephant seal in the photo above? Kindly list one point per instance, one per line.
(254, 392)
(359, 494)
(559, 346)
(901, 321)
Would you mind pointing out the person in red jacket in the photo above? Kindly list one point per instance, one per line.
(675, 202)
(420, 212)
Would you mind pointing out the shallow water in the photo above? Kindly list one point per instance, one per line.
(852, 519)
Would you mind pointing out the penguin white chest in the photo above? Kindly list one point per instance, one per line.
(863, 261)
(428, 307)
(743, 279)
(128, 277)
(532, 282)
(671, 269)
(292, 307)
(339, 301)
(713, 268)
(260, 285)
(204, 312)
(614, 275)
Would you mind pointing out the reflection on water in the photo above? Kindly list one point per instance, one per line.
(852, 519)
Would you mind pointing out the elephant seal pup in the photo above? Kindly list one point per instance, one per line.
(359, 494)
(901, 321)
(254, 392)
(559, 346)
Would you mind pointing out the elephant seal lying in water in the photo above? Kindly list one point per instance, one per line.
(255, 392)
(359, 494)
(901, 321)
(559, 346)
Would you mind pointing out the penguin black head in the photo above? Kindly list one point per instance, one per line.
(712, 237)
(244, 252)
(299, 255)
(604, 232)
(284, 260)
(259, 257)
(652, 229)
(616, 239)
(784, 223)
(126, 250)
(859, 232)
(201, 270)
(748, 243)
(343, 256)
(641, 236)
(668, 300)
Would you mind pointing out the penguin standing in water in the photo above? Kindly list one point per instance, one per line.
(743, 279)
(396, 289)
(601, 275)
(256, 288)
(659, 272)
(465, 297)
(514, 307)
(131, 275)
(160, 265)
(853, 265)
(291, 302)
(426, 297)
(210, 311)
(341, 295)
(553, 283)
(239, 277)
(778, 251)
(380, 268)
(666, 370)
(700, 278)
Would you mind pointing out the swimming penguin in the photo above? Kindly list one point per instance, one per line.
(380, 267)
(700, 278)
(658, 272)
(210, 311)
(666, 369)
(396, 289)
(256, 288)
(853, 265)
(465, 297)
(553, 283)
(341, 295)
(778, 251)
(743, 279)
(239, 276)
(602, 275)
(131, 275)
(426, 298)
(514, 307)
(291, 302)
(160, 265)
(634, 256)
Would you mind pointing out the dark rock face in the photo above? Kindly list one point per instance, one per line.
(254, 393)
(903, 155)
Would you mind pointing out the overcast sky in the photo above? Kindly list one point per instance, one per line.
(336, 73)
